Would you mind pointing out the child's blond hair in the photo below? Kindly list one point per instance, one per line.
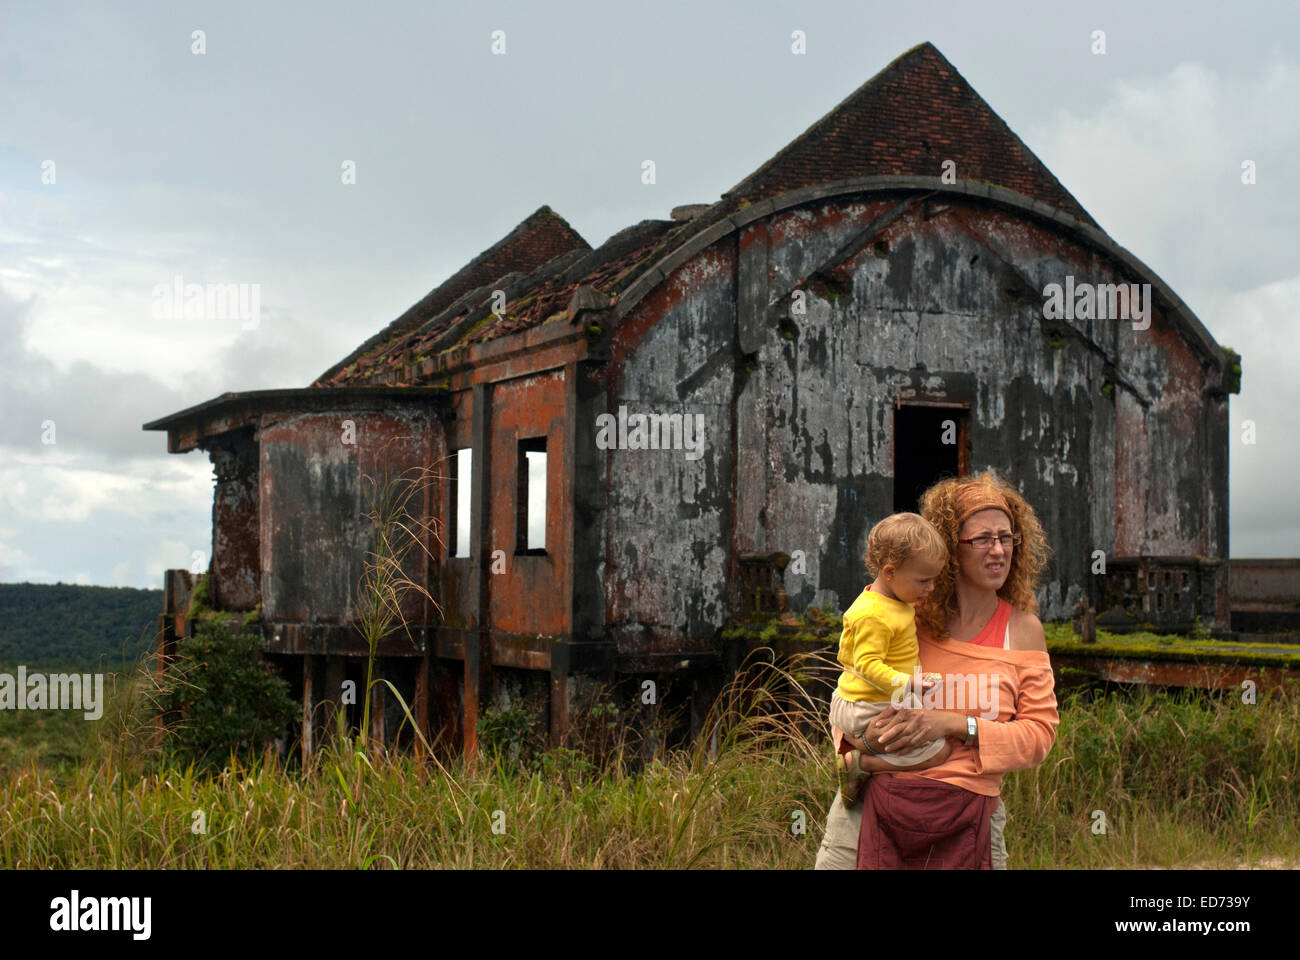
(900, 537)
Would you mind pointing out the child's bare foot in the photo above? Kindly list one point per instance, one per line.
(851, 776)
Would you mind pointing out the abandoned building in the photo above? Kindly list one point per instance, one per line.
(633, 439)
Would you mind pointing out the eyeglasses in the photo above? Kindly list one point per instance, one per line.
(985, 543)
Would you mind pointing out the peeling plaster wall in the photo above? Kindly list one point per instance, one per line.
(1171, 377)
(949, 309)
(1170, 420)
(314, 536)
(235, 572)
(925, 317)
(958, 292)
(669, 518)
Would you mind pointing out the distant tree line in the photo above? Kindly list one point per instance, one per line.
(67, 623)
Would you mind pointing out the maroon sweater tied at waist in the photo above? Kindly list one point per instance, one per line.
(914, 823)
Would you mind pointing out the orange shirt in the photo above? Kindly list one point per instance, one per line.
(1023, 728)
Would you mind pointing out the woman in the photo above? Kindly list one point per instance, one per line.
(978, 628)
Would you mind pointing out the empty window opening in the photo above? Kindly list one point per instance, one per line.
(531, 496)
(930, 443)
(461, 473)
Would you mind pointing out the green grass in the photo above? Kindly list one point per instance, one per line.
(54, 739)
(1182, 779)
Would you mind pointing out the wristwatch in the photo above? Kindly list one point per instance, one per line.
(972, 728)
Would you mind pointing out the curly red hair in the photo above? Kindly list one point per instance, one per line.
(941, 504)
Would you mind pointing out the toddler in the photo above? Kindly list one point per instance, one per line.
(878, 648)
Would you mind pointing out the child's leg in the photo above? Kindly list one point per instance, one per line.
(853, 718)
(875, 764)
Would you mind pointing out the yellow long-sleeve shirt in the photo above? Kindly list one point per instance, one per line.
(879, 643)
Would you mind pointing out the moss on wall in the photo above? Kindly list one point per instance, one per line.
(1155, 646)
(1232, 379)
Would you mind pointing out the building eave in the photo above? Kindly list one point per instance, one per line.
(189, 428)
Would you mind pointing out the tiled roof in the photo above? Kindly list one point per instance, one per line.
(531, 300)
(608, 270)
(538, 240)
(904, 121)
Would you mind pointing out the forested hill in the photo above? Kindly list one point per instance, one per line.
(71, 624)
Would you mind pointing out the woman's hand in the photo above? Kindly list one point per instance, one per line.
(896, 730)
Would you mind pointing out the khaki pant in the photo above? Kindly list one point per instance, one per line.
(839, 849)
(854, 716)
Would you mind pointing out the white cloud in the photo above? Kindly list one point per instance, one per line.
(1265, 329)
(73, 494)
(121, 575)
(1158, 164)
(11, 557)
(168, 555)
(69, 494)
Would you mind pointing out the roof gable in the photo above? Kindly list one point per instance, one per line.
(907, 120)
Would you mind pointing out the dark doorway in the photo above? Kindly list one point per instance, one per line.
(930, 443)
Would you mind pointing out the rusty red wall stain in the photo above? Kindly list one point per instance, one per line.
(527, 598)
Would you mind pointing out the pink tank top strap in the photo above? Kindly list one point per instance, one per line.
(995, 633)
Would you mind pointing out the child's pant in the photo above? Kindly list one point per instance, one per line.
(852, 716)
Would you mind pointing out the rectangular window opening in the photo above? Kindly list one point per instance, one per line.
(530, 497)
(459, 508)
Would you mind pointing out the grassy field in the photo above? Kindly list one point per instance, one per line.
(1181, 780)
(55, 740)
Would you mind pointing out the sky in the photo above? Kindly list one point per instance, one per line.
(133, 153)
